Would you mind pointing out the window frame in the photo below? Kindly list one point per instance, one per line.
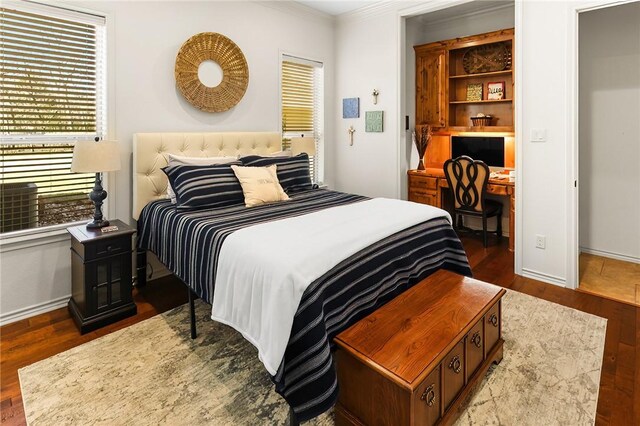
(302, 58)
(17, 239)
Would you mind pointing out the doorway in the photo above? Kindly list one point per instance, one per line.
(609, 152)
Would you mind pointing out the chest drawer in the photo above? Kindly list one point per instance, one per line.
(427, 400)
(492, 325)
(453, 372)
(475, 348)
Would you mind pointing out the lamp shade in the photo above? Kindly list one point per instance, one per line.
(94, 157)
(300, 145)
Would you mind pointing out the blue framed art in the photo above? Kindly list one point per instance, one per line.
(351, 108)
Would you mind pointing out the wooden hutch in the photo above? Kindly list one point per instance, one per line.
(442, 102)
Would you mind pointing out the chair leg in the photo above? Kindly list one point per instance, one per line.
(192, 314)
(484, 232)
(499, 229)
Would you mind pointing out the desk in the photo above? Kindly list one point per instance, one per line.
(426, 186)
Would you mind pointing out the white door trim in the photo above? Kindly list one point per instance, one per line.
(573, 167)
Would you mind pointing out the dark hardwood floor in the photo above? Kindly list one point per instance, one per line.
(30, 340)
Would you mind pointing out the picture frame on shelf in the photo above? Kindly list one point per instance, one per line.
(474, 91)
(495, 90)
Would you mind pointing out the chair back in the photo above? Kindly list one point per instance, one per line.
(467, 180)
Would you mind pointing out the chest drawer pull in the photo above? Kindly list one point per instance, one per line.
(429, 395)
(455, 364)
(476, 339)
(493, 320)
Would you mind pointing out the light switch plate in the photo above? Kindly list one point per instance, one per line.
(538, 135)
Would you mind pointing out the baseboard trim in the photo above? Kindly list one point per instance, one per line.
(33, 310)
(541, 276)
(610, 255)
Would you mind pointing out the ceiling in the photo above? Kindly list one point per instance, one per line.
(335, 7)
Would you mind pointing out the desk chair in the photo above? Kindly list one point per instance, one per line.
(468, 180)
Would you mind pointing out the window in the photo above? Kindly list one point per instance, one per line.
(52, 93)
(303, 105)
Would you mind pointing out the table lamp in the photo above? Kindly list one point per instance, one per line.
(300, 145)
(96, 157)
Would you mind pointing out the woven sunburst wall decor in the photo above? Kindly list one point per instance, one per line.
(235, 72)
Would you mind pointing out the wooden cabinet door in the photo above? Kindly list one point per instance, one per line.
(430, 88)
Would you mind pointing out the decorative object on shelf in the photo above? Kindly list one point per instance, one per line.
(96, 157)
(374, 121)
(351, 131)
(495, 90)
(481, 120)
(351, 108)
(303, 145)
(375, 94)
(487, 58)
(218, 48)
(474, 91)
(422, 142)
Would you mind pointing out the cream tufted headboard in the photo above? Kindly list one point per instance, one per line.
(150, 155)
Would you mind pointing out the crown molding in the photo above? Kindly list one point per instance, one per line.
(444, 21)
(371, 10)
(298, 9)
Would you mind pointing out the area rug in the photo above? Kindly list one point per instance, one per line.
(152, 373)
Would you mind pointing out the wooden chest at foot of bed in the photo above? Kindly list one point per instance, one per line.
(418, 359)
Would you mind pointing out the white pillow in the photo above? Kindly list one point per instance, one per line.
(260, 185)
(179, 160)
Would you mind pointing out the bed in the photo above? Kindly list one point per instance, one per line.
(290, 275)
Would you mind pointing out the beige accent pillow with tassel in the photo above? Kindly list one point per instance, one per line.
(260, 185)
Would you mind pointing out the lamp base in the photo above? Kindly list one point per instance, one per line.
(96, 224)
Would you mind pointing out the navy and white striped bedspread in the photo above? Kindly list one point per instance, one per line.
(189, 244)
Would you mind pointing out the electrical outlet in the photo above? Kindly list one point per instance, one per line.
(541, 241)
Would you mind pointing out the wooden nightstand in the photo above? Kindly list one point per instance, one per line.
(101, 276)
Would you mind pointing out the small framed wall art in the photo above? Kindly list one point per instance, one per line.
(351, 108)
(374, 121)
(495, 90)
(474, 91)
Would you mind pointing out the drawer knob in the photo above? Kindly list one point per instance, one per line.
(476, 339)
(429, 395)
(455, 364)
(493, 320)
(109, 248)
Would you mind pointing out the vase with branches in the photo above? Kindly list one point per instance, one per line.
(421, 141)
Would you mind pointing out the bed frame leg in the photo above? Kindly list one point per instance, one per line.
(293, 421)
(141, 267)
(192, 314)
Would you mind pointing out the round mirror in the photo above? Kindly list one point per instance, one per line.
(210, 73)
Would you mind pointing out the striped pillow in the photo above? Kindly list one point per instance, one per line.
(199, 187)
(293, 172)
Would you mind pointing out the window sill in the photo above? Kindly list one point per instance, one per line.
(18, 240)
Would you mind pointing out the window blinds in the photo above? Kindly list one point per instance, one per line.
(52, 93)
(51, 75)
(302, 103)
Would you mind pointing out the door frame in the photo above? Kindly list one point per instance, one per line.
(573, 133)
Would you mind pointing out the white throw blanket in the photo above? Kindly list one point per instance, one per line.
(264, 269)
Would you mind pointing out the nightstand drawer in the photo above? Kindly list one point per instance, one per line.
(107, 247)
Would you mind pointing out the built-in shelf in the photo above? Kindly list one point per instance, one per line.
(484, 101)
(482, 74)
(484, 129)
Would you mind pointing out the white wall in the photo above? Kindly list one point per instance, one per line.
(366, 59)
(147, 36)
(609, 139)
